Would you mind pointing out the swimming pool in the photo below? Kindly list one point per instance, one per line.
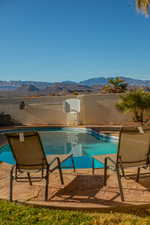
(81, 142)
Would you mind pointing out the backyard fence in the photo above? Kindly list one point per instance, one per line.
(94, 110)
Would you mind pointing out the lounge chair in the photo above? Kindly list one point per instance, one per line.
(30, 157)
(133, 151)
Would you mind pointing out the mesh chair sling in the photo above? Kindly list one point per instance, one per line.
(133, 151)
(30, 157)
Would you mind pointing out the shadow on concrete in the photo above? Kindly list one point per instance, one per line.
(85, 189)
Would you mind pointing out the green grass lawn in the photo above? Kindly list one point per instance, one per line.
(14, 214)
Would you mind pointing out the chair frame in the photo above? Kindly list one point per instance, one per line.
(45, 167)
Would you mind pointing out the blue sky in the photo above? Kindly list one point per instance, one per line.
(55, 40)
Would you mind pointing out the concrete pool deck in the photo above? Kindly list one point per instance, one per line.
(81, 190)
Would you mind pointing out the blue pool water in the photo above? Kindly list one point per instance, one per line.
(83, 143)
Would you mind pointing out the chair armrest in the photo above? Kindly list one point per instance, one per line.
(55, 159)
(108, 158)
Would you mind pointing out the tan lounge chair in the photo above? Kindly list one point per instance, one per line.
(30, 157)
(133, 151)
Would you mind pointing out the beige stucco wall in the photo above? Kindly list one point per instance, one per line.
(43, 110)
(101, 109)
(95, 109)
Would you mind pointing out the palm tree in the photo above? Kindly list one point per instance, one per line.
(137, 102)
(115, 85)
(143, 5)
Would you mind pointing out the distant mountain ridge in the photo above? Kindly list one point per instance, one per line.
(11, 85)
(103, 81)
(89, 82)
(38, 88)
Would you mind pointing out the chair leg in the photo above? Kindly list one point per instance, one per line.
(122, 170)
(47, 183)
(105, 172)
(93, 168)
(138, 175)
(29, 178)
(120, 184)
(60, 171)
(11, 185)
(73, 164)
(42, 173)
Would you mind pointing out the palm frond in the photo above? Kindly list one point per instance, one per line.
(143, 6)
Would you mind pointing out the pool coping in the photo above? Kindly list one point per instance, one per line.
(88, 130)
(98, 208)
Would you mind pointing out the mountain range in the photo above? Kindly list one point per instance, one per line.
(90, 82)
(92, 85)
(104, 81)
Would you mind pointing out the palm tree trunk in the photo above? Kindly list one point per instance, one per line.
(136, 116)
(142, 117)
